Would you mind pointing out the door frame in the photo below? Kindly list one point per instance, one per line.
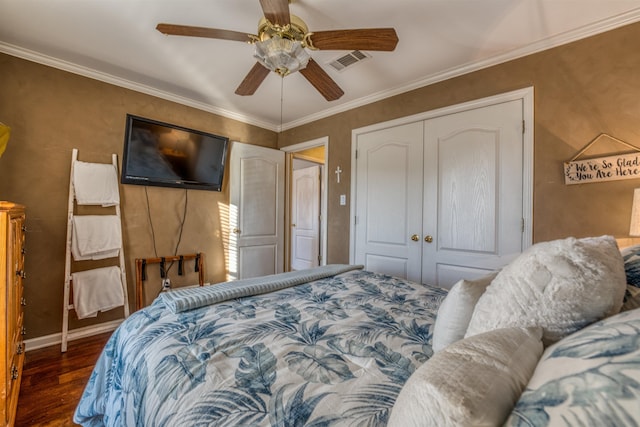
(290, 150)
(525, 94)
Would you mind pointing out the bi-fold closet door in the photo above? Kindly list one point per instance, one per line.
(441, 199)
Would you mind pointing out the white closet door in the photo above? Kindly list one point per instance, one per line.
(389, 201)
(472, 192)
(256, 211)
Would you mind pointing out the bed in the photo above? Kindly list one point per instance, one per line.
(550, 339)
(334, 350)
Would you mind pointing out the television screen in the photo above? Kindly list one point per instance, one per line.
(165, 155)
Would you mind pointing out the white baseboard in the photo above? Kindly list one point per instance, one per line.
(74, 334)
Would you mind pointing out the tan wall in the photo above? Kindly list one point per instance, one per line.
(51, 112)
(581, 90)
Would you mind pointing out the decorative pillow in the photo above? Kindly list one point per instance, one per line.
(631, 256)
(456, 309)
(561, 285)
(474, 381)
(591, 378)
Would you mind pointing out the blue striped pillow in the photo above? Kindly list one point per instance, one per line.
(631, 256)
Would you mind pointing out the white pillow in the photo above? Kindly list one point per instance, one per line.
(456, 309)
(562, 286)
(591, 378)
(475, 381)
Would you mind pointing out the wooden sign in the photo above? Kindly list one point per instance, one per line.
(610, 168)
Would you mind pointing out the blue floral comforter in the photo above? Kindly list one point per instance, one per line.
(335, 351)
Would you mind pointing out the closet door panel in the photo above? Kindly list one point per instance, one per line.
(467, 185)
(389, 186)
(389, 201)
(472, 192)
(392, 266)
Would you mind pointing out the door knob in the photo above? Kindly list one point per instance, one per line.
(236, 230)
(428, 239)
(415, 237)
(293, 225)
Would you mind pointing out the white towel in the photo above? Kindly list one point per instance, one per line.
(96, 290)
(95, 183)
(95, 237)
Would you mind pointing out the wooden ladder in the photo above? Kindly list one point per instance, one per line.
(67, 302)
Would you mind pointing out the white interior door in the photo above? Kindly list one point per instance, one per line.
(256, 222)
(305, 218)
(316, 150)
(473, 185)
(388, 201)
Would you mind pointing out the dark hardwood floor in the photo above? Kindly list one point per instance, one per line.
(52, 382)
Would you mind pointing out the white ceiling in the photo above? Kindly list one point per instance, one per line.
(116, 41)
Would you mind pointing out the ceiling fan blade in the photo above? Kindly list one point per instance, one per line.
(276, 11)
(321, 81)
(382, 39)
(212, 33)
(253, 80)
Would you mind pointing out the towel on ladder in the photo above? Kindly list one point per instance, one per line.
(95, 237)
(95, 183)
(96, 290)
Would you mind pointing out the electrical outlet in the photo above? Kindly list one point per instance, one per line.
(166, 284)
(343, 199)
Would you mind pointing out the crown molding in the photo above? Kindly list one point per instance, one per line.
(70, 67)
(541, 45)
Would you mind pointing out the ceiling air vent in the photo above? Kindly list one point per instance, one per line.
(349, 59)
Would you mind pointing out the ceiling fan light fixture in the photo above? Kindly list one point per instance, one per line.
(282, 44)
(282, 55)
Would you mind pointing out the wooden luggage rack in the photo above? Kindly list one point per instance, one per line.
(142, 263)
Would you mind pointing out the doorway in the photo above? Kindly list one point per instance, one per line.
(306, 207)
(305, 214)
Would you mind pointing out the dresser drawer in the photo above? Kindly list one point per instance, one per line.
(12, 274)
(15, 356)
(13, 383)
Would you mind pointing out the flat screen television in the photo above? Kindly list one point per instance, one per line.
(166, 155)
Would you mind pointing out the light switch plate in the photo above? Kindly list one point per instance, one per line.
(343, 199)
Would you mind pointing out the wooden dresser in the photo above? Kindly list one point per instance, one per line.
(11, 307)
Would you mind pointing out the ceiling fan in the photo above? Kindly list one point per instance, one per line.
(282, 42)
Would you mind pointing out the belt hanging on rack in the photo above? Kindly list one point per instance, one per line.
(181, 266)
(144, 270)
(163, 271)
